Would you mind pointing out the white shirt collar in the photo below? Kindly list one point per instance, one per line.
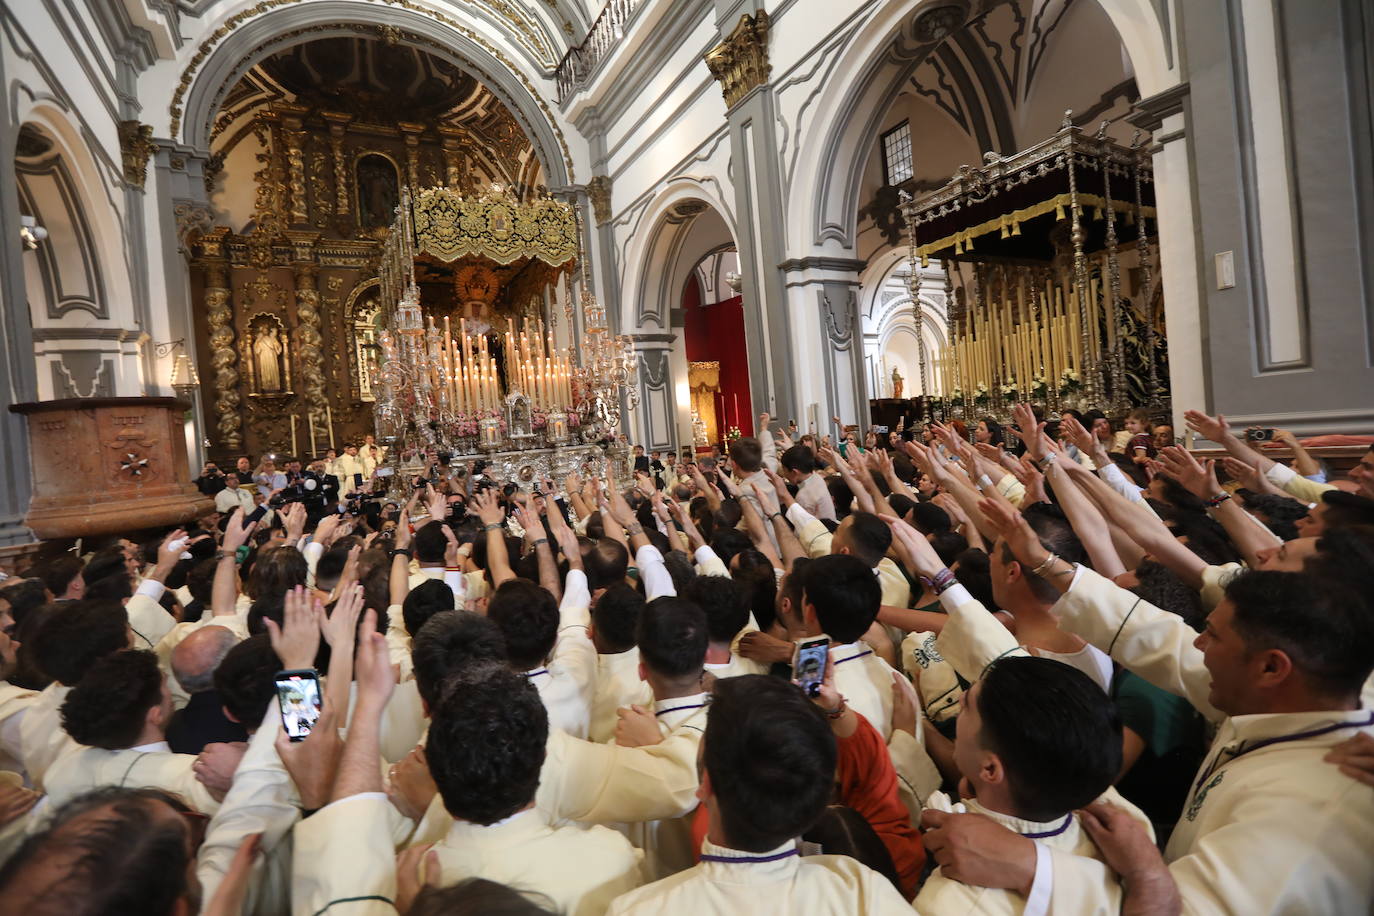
(157, 747)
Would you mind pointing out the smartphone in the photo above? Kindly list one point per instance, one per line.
(808, 663)
(254, 516)
(358, 481)
(298, 698)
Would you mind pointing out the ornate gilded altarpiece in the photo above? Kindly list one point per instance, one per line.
(290, 304)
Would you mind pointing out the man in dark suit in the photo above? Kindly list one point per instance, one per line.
(202, 721)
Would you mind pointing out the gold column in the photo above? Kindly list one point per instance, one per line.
(293, 135)
(219, 318)
(451, 138)
(338, 123)
(411, 133)
(309, 344)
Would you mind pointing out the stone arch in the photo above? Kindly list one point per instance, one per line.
(683, 223)
(824, 192)
(246, 45)
(655, 264)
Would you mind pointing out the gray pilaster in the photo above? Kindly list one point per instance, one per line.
(16, 354)
(656, 419)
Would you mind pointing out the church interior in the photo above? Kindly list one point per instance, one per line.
(686, 456)
(856, 225)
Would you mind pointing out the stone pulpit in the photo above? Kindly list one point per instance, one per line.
(108, 466)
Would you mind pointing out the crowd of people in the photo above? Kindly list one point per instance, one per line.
(1067, 669)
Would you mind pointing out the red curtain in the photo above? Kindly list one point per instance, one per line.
(715, 333)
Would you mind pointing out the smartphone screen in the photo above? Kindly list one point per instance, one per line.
(358, 481)
(298, 698)
(808, 663)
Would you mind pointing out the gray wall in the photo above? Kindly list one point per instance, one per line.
(1324, 64)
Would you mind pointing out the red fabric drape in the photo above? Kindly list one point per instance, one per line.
(715, 333)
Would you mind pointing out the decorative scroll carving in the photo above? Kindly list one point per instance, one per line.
(223, 355)
(268, 206)
(599, 191)
(192, 216)
(495, 225)
(740, 62)
(411, 133)
(136, 145)
(309, 345)
(337, 124)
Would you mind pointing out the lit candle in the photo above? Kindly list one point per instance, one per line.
(310, 419)
(295, 452)
(329, 417)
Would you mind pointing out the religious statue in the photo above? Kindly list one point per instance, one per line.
(896, 383)
(267, 350)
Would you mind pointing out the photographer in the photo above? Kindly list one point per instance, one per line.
(211, 479)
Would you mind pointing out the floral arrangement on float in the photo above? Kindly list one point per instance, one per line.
(1070, 382)
(1009, 390)
(1040, 387)
(733, 433)
(981, 397)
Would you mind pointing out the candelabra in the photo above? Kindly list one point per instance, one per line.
(608, 370)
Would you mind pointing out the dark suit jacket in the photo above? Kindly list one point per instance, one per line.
(201, 722)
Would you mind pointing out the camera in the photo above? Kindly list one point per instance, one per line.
(1260, 434)
(309, 490)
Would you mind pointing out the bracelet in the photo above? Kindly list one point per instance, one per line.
(537, 541)
(634, 529)
(1049, 561)
(401, 552)
(775, 515)
(494, 526)
(225, 555)
(838, 711)
(1049, 459)
(1216, 500)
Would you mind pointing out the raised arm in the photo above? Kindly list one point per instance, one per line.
(1245, 532)
(225, 590)
(537, 539)
(493, 519)
(862, 498)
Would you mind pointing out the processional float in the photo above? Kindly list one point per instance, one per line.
(1035, 248)
(502, 391)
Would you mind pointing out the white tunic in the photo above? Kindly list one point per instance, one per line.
(152, 766)
(775, 882)
(617, 684)
(41, 737)
(1268, 827)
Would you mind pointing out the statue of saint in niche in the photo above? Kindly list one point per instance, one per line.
(267, 353)
(378, 191)
(897, 381)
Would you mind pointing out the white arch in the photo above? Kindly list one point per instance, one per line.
(823, 195)
(95, 189)
(654, 267)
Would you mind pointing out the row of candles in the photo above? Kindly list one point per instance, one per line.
(467, 377)
(993, 345)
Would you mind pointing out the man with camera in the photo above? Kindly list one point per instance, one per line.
(211, 479)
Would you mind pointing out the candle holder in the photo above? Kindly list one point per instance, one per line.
(557, 428)
(489, 433)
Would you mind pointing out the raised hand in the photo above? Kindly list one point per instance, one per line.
(1077, 435)
(297, 640)
(1213, 428)
(376, 678)
(1248, 475)
(487, 507)
(1012, 527)
(340, 626)
(1031, 432)
(235, 535)
(1196, 478)
(915, 549)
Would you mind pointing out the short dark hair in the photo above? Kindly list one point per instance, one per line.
(430, 543)
(117, 586)
(930, 519)
(1347, 509)
(994, 430)
(486, 744)
(1344, 554)
(1056, 731)
(424, 601)
(747, 454)
(975, 574)
(104, 562)
(605, 563)
(128, 860)
(770, 756)
(447, 644)
(23, 596)
(798, 458)
(1162, 587)
(108, 708)
(727, 540)
(672, 637)
(845, 594)
(1057, 536)
(276, 571)
(758, 585)
(528, 617)
(1325, 627)
(723, 602)
(1279, 513)
(615, 617)
(59, 572)
(329, 568)
(479, 897)
(244, 680)
(200, 580)
(78, 633)
(948, 545)
(869, 537)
